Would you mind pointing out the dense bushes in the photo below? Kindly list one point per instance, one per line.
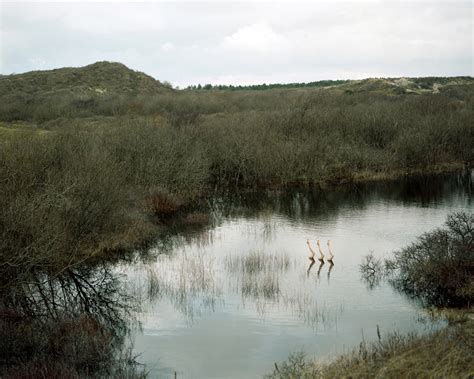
(62, 196)
(85, 178)
(75, 192)
(99, 161)
(439, 266)
(75, 183)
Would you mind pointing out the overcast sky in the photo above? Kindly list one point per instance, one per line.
(242, 42)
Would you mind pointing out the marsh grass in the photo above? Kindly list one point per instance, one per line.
(266, 286)
(187, 281)
(257, 261)
(306, 308)
(447, 353)
(258, 273)
(260, 276)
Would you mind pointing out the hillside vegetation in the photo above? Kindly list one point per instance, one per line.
(98, 160)
(100, 77)
(98, 169)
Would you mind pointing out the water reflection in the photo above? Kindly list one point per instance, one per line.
(311, 264)
(372, 271)
(266, 299)
(325, 205)
(321, 264)
(71, 324)
(93, 290)
(331, 265)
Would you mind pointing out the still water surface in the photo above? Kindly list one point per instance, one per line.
(230, 300)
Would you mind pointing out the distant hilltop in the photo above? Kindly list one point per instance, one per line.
(383, 85)
(113, 78)
(98, 78)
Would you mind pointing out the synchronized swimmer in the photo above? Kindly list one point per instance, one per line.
(321, 257)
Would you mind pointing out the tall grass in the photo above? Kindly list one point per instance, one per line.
(257, 261)
(187, 281)
(447, 353)
(258, 273)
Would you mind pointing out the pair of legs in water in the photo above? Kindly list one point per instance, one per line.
(321, 257)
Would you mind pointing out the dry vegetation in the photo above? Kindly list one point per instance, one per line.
(437, 269)
(188, 282)
(81, 179)
(439, 266)
(93, 159)
(448, 353)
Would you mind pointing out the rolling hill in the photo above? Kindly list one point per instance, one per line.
(97, 78)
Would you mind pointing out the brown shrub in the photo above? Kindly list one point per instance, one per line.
(163, 204)
(34, 370)
(196, 218)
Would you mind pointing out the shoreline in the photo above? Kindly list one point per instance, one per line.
(183, 217)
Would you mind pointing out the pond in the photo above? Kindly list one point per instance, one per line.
(229, 300)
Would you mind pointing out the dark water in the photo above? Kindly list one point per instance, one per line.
(229, 301)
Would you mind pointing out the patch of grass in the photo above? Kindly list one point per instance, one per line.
(266, 286)
(258, 273)
(257, 261)
(306, 308)
(187, 282)
(448, 353)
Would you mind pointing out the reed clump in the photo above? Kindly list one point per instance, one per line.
(257, 261)
(258, 273)
(265, 287)
(188, 282)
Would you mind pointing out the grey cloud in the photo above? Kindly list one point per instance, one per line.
(252, 42)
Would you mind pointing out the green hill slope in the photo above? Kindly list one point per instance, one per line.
(96, 78)
(112, 89)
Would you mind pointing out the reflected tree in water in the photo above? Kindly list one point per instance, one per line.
(76, 323)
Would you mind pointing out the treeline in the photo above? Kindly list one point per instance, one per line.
(264, 86)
